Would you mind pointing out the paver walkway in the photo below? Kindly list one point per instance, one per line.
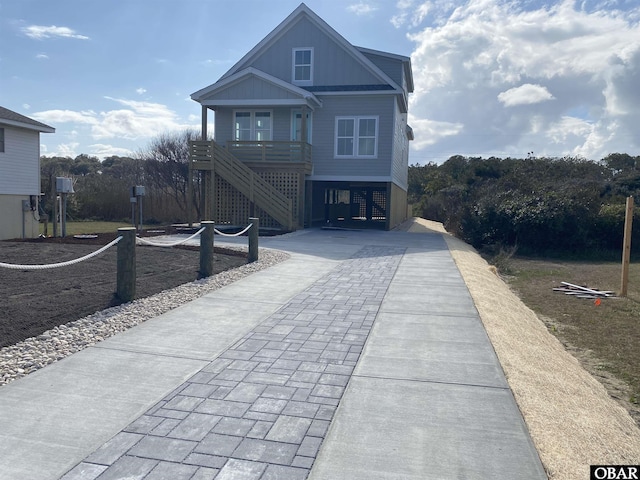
(261, 409)
(361, 357)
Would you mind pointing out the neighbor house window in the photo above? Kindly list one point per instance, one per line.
(356, 137)
(252, 125)
(1, 139)
(302, 66)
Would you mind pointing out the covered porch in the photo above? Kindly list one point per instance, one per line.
(263, 126)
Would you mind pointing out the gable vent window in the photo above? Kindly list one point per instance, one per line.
(302, 66)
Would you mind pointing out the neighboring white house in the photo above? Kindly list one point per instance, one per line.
(19, 174)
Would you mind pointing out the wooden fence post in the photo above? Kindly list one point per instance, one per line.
(253, 239)
(126, 277)
(206, 249)
(626, 247)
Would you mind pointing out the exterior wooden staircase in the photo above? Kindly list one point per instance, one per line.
(210, 156)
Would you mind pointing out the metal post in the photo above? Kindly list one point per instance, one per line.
(126, 275)
(253, 239)
(140, 212)
(206, 249)
(63, 215)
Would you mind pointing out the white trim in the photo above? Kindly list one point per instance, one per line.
(27, 126)
(356, 136)
(293, 66)
(361, 92)
(256, 103)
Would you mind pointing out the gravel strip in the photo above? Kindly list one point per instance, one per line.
(25, 357)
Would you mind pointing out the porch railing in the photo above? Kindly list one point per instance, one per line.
(254, 151)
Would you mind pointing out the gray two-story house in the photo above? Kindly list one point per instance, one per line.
(309, 130)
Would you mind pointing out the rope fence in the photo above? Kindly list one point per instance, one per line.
(173, 244)
(218, 232)
(61, 264)
(126, 256)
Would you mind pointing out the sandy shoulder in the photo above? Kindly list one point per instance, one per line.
(572, 419)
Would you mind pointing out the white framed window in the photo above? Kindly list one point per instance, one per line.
(356, 137)
(302, 69)
(252, 125)
(296, 126)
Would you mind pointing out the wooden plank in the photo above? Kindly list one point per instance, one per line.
(588, 290)
(626, 247)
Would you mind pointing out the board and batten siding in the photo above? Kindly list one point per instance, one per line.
(325, 163)
(253, 88)
(392, 67)
(20, 162)
(332, 64)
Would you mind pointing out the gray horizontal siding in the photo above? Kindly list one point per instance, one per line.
(281, 118)
(20, 162)
(400, 169)
(324, 162)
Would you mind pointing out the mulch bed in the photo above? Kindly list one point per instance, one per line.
(33, 301)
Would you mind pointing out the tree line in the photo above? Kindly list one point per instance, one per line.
(103, 188)
(538, 205)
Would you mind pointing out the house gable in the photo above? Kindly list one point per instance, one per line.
(251, 87)
(335, 61)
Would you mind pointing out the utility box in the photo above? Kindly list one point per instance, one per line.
(137, 191)
(64, 185)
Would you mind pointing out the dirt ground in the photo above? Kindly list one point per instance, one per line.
(33, 301)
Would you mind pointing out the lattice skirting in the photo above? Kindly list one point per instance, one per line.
(234, 208)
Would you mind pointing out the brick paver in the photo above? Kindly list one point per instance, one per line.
(261, 410)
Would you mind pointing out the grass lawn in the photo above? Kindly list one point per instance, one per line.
(88, 227)
(604, 337)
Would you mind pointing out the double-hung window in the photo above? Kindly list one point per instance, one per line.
(252, 125)
(356, 137)
(302, 69)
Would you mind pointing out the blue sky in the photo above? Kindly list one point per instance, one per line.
(492, 77)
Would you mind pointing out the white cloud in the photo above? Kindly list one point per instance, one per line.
(137, 120)
(477, 58)
(26, 106)
(361, 8)
(526, 94)
(141, 91)
(101, 150)
(42, 56)
(66, 116)
(40, 32)
(432, 131)
(64, 150)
